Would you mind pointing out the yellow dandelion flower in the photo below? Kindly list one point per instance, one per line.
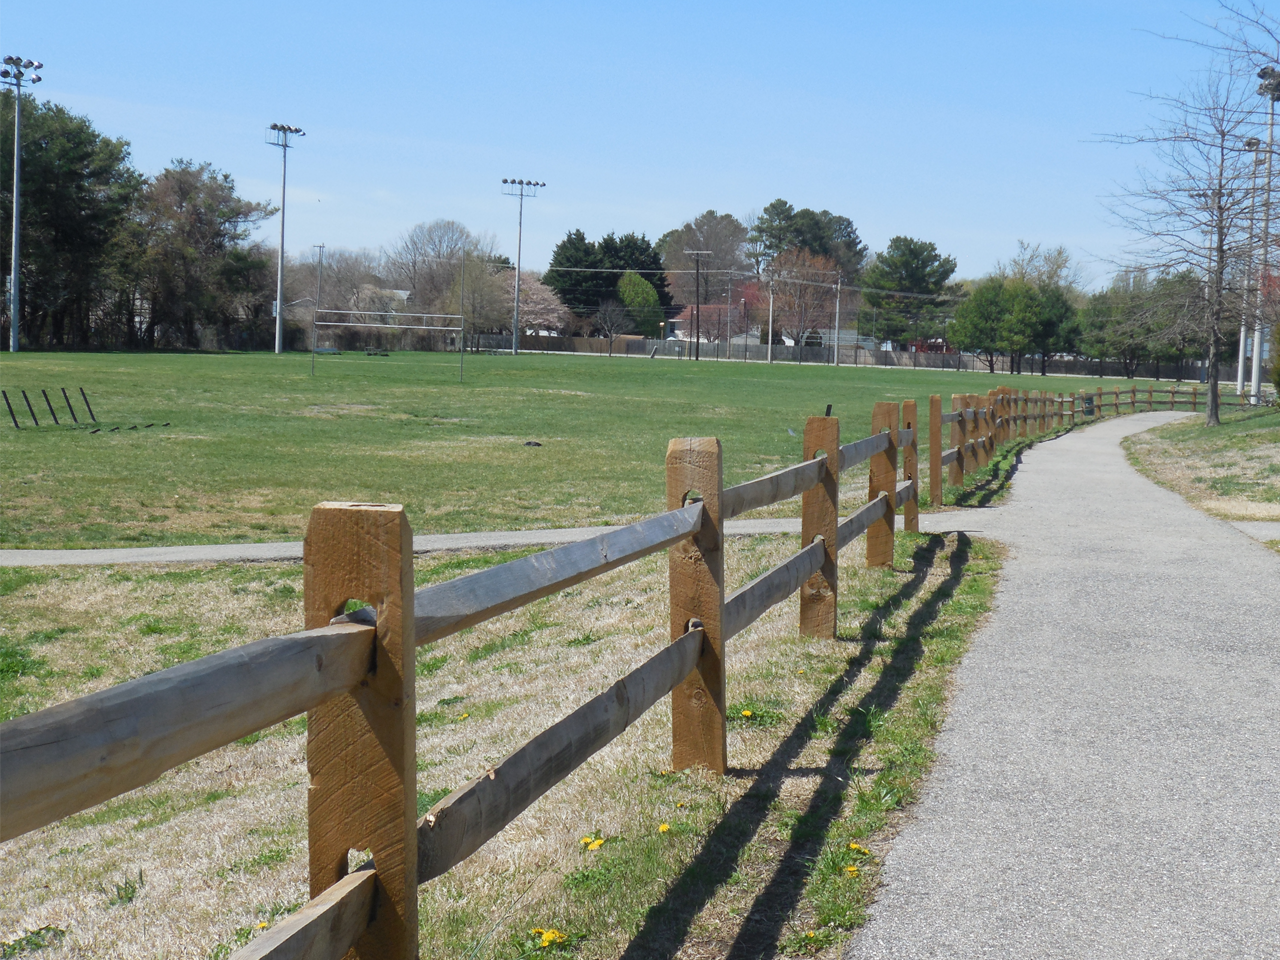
(812, 934)
(552, 936)
(537, 931)
(664, 827)
(464, 716)
(263, 925)
(851, 871)
(586, 840)
(596, 844)
(802, 671)
(680, 804)
(858, 848)
(746, 713)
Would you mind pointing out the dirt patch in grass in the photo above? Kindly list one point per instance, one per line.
(1231, 471)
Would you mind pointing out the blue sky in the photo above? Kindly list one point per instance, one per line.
(972, 125)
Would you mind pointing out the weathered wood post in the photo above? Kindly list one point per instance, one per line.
(1151, 397)
(1133, 399)
(959, 465)
(1115, 403)
(820, 514)
(993, 405)
(935, 450)
(1097, 405)
(1172, 388)
(977, 430)
(696, 578)
(1024, 411)
(882, 480)
(360, 745)
(1194, 398)
(911, 467)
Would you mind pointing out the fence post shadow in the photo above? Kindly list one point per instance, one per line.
(668, 922)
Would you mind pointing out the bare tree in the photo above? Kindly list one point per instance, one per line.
(804, 293)
(1191, 213)
(613, 320)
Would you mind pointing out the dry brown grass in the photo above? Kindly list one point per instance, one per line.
(220, 842)
(1231, 472)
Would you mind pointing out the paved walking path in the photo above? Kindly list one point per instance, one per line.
(1108, 779)
(434, 543)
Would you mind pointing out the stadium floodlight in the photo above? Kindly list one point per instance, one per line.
(13, 77)
(282, 132)
(521, 189)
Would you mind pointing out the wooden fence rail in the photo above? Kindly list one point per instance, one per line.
(350, 671)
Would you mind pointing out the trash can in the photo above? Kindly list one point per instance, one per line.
(1088, 404)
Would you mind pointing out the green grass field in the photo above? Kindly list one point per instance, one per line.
(255, 441)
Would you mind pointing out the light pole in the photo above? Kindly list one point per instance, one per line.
(697, 299)
(1252, 143)
(279, 137)
(15, 70)
(1269, 88)
(837, 339)
(521, 189)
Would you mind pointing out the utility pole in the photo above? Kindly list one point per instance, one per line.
(462, 314)
(12, 75)
(279, 137)
(1270, 88)
(697, 300)
(1252, 143)
(837, 342)
(521, 189)
(770, 353)
(316, 308)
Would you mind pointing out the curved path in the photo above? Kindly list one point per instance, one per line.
(1108, 777)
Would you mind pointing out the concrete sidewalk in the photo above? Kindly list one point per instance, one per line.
(434, 543)
(1108, 779)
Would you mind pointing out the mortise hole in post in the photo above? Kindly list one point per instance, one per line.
(691, 496)
(357, 859)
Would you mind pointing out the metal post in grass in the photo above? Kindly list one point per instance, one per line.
(699, 733)
(361, 744)
(70, 408)
(820, 515)
(882, 482)
(12, 416)
(48, 403)
(30, 409)
(85, 397)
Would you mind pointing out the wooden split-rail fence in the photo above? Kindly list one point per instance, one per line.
(353, 674)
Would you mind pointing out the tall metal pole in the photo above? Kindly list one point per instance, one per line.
(462, 314)
(698, 307)
(515, 320)
(284, 171)
(17, 191)
(319, 276)
(1264, 280)
(1250, 272)
(837, 341)
(770, 351)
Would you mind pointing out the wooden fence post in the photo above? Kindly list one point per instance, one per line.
(820, 513)
(1194, 398)
(696, 577)
(993, 402)
(883, 479)
(976, 431)
(1097, 405)
(1133, 399)
(959, 465)
(1151, 397)
(935, 450)
(1022, 413)
(911, 467)
(1172, 388)
(360, 745)
(1115, 403)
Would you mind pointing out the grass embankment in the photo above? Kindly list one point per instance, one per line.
(254, 441)
(1231, 471)
(828, 740)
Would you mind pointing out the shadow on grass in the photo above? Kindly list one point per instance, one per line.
(668, 922)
